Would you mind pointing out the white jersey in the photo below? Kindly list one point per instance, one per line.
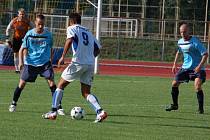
(83, 44)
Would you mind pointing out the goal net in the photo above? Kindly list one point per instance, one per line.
(110, 27)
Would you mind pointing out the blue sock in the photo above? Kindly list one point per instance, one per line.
(57, 97)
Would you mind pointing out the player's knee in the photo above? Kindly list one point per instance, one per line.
(174, 83)
(51, 83)
(85, 92)
(197, 88)
(22, 84)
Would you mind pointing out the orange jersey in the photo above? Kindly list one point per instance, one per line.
(20, 27)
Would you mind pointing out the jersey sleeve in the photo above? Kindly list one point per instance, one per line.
(9, 27)
(198, 45)
(97, 44)
(51, 40)
(178, 47)
(70, 33)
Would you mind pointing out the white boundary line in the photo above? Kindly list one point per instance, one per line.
(136, 65)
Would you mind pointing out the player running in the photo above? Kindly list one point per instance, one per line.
(20, 26)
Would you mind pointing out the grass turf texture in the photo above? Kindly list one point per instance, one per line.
(136, 107)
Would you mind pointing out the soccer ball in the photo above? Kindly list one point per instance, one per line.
(77, 113)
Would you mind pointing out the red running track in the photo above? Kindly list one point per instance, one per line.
(129, 68)
(138, 68)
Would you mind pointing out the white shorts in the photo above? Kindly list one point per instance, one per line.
(82, 72)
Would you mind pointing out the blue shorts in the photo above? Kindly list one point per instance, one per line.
(184, 75)
(30, 73)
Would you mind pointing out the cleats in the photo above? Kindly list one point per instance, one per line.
(200, 111)
(50, 115)
(61, 112)
(101, 116)
(172, 107)
(12, 108)
(17, 72)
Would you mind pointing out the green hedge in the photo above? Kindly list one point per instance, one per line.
(137, 49)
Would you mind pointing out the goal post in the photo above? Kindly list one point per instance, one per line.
(208, 47)
(98, 31)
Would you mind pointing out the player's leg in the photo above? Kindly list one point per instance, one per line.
(86, 81)
(201, 77)
(16, 95)
(16, 62)
(16, 46)
(57, 97)
(174, 96)
(92, 99)
(58, 94)
(68, 75)
(47, 72)
(200, 95)
(28, 74)
(53, 88)
(181, 76)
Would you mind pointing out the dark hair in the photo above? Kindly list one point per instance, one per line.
(75, 17)
(183, 23)
(40, 16)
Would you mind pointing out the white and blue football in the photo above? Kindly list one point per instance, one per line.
(77, 113)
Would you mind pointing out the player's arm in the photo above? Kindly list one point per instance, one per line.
(97, 48)
(21, 56)
(51, 48)
(23, 52)
(9, 27)
(203, 61)
(203, 52)
(174, 67)
(65, 50)
(51, 55)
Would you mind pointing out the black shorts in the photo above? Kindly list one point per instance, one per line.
(16, 44)
(184, 75)
(30, 73)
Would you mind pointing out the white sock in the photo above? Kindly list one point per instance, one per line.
(16, 63)
(94, 102)
(57, 97)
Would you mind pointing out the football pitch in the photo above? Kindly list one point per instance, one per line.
(135, 106)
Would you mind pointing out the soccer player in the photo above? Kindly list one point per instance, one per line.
(35, 57)
(85, 48)
(20, 26)
(193, 67)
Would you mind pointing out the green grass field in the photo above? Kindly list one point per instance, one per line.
(135, 106)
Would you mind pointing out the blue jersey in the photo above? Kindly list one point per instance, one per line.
(192, 50)
(39, 47)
